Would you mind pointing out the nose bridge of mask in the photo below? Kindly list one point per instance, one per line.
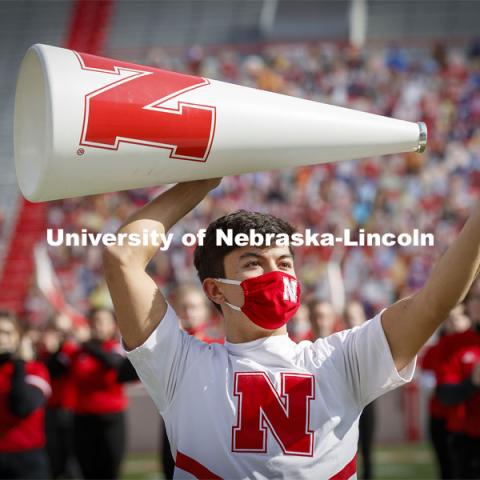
(230, 282)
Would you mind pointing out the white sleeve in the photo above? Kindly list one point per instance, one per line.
(363, 356)
(162, 360)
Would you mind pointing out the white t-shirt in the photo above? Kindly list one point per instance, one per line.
(269, 408)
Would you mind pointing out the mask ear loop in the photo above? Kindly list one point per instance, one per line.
(230, 282)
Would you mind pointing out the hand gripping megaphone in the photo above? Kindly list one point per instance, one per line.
(86, 124)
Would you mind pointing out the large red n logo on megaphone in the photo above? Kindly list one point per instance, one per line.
(132, 109)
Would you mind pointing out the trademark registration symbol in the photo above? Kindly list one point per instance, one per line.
(80, 152)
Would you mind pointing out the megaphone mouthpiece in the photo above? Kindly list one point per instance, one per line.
(422, 137)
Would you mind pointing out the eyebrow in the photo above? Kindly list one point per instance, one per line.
(258, 255)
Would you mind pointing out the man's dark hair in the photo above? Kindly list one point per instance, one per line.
(208, 258)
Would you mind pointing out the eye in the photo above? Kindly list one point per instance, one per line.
(253, 263)
(286, 265)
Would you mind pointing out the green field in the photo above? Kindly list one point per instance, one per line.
(413, 461)
(405, 462)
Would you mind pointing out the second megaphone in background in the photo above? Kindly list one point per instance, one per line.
(86, 124)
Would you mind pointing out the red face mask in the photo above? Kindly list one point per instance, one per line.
(271, 299)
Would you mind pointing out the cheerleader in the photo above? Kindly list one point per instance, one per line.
(24, 389)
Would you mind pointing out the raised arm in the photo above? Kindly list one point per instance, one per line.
(139, 304)
(410, 322)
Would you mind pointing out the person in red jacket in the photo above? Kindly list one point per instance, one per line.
(57, 350)
(24, 389)
(461, 387)
(99, 370)
(432, 363)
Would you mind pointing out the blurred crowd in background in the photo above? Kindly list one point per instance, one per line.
(433, 192)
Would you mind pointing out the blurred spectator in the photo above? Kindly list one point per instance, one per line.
(459, 389)
(193, 309)
(299, 327)
(354, 314)
(57, 350)
(98, 370)
(323, 319)
(431, 363)
(24, 389)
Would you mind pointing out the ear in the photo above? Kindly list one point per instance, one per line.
(212, 291)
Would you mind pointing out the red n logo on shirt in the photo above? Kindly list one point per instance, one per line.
(131, 109)
(287, 416)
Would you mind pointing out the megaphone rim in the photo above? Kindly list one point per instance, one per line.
(33, 126)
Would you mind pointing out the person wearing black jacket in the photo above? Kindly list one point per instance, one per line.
(24, 388)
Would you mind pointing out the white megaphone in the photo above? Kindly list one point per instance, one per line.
(86, 124)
